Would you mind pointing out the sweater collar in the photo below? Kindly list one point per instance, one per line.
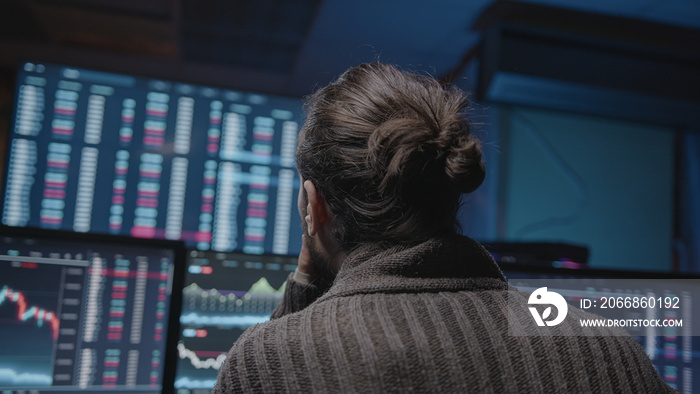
(448, 262)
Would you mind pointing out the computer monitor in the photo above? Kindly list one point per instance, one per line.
(85, 312)
(224, 294)
(672, 350)
(94, 151)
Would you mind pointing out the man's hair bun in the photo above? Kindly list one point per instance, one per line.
(464, 165)
(424, 135)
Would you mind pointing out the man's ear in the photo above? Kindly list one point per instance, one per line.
(316, 213)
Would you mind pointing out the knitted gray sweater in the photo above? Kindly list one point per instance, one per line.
(427, 318)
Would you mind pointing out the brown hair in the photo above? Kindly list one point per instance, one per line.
(390, 152)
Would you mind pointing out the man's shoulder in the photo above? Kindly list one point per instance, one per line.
(280, 328)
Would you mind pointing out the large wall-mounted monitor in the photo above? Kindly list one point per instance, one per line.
(86, 312)
(94, 151)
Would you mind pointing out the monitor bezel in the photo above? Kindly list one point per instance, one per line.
(593, 272)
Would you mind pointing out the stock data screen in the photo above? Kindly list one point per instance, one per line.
(224, 294)
(672, 350)
(91, 151)
(77, 313)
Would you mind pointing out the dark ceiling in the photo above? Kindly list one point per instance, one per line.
(275, 46)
